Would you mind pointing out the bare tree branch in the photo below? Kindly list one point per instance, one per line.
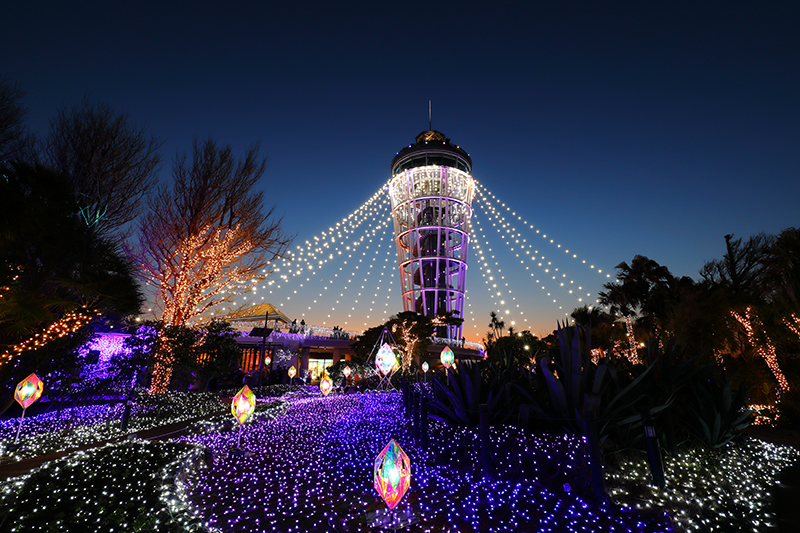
(207, 238)
(16, 142)
(111, 162)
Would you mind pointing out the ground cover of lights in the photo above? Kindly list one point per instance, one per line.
(311, 470)
(128, 486)
(725, 491)
(74, 427)
(307, 466)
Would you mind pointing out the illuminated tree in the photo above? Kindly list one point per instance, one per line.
(762, 344)
(411, 331)
(638, 296)
(112, 163)
(752, 290)
(206, 238)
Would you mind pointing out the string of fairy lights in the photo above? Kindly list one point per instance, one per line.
(487, 273)
(518, 244)
(66, 325)
(365, 240)
(328, 279)
(347, 245)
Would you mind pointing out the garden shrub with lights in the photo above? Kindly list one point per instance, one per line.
(677, 388)
(697, 409)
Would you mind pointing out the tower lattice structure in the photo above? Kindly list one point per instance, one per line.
(431, 192)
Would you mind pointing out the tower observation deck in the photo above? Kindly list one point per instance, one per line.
(431, 191)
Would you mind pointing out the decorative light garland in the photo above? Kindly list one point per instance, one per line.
(66, 325)
(765, 349)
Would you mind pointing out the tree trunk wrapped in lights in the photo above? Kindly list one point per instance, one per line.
(206, 238)
(765, 349)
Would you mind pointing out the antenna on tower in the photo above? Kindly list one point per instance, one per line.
(429, 116)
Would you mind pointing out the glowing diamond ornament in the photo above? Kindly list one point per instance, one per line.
(243, 404)
(347, 371)
(425, 366)
(292, 372)
(392, 474)
(28, 390)
(325, 385)
(385, 361)
(447, 357)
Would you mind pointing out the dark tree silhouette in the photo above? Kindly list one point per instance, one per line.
(56, 274)
(111, 162)
(16, 142)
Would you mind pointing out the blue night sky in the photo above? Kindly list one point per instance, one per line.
(622, 129)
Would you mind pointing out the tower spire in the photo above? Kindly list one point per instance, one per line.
(429, 116)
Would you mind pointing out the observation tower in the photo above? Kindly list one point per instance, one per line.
(431, 192)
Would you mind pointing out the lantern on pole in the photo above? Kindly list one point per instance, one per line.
(242, 406)
(385, 360)
(392, 474)
(347, 371)
(28, 391)
(447, 357)
(325, 385)
(292, 372)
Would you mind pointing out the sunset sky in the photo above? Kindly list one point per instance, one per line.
(616, 129)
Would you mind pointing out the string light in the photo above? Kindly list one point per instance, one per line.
(765, 349)
(66, 325)
(339, 262)
(518, 244)
(309, 460)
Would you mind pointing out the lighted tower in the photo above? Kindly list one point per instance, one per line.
(431, 192)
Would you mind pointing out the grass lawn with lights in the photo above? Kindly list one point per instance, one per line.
(307, 465)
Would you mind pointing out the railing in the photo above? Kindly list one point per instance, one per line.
(457, 343)
(303, 330)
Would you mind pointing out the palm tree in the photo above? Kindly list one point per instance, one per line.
(640, 294)
(496, 327)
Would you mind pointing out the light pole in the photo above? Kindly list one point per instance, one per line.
(265, 332)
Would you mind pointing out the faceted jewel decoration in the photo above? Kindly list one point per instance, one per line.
(347, 371)
(243, 405)
(28, 390)
(392, 474)
(425, 366)
(385, 360)
(447, 357)
(292, 371)
(325, 385)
